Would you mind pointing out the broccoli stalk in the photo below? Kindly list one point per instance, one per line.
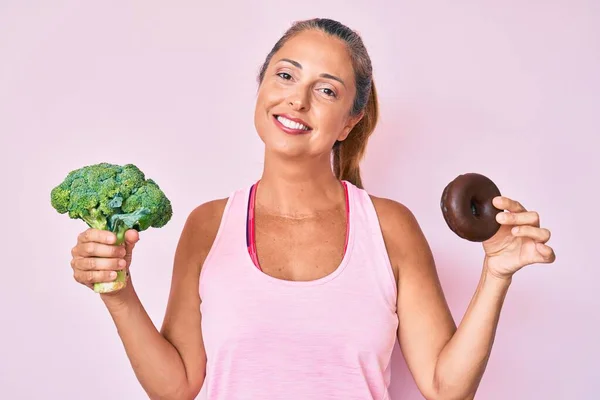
(113, 198)
(94, 219)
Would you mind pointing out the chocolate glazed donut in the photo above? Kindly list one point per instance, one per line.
(467, 207)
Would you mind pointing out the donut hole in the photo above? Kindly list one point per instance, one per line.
(475, 208)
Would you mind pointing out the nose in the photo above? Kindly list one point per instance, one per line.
(299, 100)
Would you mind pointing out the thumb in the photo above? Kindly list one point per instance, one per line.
(132, 236)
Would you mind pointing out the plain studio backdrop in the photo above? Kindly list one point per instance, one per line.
(509, 89)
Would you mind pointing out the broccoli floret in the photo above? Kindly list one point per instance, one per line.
(114, 198)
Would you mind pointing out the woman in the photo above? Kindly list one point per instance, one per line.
(297, 287)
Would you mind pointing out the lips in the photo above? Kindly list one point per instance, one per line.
(291, 125)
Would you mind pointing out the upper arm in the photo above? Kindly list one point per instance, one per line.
(425, 321)
(182, 322)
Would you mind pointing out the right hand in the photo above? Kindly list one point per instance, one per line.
(95, 256)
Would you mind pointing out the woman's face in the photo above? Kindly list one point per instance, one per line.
(304, 101)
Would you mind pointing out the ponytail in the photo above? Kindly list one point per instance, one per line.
(348, 153)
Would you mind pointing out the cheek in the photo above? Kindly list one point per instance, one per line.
(263, 104)
(269, 96)
(265, 101)
(331, 122)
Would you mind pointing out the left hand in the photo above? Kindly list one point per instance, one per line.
(520, 241)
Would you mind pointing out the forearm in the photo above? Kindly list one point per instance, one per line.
(155, 361)
(462, 362)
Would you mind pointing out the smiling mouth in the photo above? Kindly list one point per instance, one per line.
(291, 126)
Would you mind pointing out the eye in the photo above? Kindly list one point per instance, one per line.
(329, 92)
(284, 75)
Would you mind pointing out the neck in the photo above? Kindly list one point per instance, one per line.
(298, 188)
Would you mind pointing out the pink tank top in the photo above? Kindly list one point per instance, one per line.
(268, 338)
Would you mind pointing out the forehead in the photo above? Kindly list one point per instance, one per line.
(318, 52)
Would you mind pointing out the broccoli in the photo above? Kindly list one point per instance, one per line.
(113, 198)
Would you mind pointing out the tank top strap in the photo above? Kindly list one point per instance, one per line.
(224, 253)
(370, 243)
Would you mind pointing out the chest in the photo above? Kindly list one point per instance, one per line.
(349, 318)
(300, 249)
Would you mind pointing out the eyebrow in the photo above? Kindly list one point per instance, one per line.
(324, 75)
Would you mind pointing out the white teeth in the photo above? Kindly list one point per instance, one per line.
(291, 124)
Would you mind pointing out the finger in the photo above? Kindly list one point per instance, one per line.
(541, 235)
(94, 249)
(508, 204)
(97, 235)
(98, 264)
(91, 277)
(131, 238)
(519, 218)
(545, 252)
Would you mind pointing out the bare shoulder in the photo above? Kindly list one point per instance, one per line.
(209, 211)
(390, 210)
(196, 239)
(397, 221)
(207, 216)
(202, 225)
(401, 231)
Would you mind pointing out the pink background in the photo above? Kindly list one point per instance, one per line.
(507, 89)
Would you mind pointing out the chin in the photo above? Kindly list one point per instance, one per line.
(285, 148)
(279, 142)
